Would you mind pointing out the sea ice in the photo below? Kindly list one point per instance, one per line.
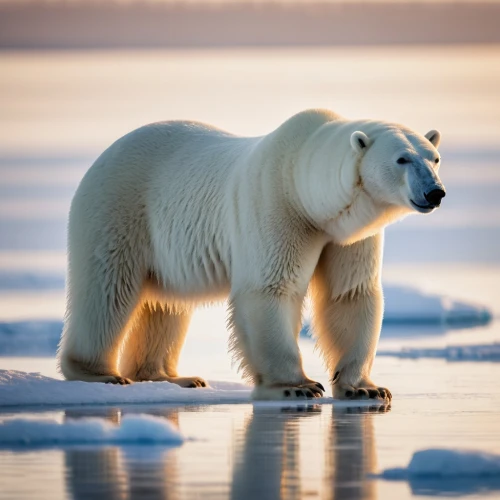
(26, 389)
(19, 388)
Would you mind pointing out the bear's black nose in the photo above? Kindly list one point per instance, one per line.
(435, 196)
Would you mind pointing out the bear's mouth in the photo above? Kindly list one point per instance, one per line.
(423, 208)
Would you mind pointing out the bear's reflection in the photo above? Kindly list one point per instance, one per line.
(267, 458)
(279, 453)
(277, 460)
(351, 453)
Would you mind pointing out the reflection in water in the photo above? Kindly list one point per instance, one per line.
(267, 460)
(278, 453)
(142, 472)
(95, 472)
(351, 453)
(268, 465)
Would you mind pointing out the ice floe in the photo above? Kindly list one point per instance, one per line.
(33, 389)
(21, 389)
(448, 472)
(405, 305)
(447, 463)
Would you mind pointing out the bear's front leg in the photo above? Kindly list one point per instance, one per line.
(350, 344)
(264, 339)
(348, 309)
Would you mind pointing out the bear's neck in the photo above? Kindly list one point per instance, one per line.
(361, 218)
(347, 213)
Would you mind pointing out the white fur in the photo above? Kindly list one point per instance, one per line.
(179, 213)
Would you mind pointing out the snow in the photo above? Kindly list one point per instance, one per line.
(134, 429)
(32, 389)
(485, 352)
(447, 464)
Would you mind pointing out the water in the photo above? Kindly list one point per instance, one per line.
(256, 451)
(59, 110)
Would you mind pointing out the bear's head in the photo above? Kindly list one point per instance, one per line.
(400, 167)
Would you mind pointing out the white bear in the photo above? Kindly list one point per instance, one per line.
(180, 213)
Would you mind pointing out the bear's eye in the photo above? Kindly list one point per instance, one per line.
(402, 161)
(436, 160)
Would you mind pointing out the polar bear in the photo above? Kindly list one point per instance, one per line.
(180, 213)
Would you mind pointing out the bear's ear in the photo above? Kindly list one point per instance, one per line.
(434, 137)
(359, 141)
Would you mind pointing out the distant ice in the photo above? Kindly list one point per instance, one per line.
(446, 472)
(405, 305)
(134, 429)
(29, 338)
(25, 389)
(485, 352)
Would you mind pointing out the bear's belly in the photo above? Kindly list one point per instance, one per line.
(155, 293)
(180, 279)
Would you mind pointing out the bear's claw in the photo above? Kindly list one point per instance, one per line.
(384, 393)
(348, 392)
(344, 391)
(188, 382)
(309, 390)
(119, 380)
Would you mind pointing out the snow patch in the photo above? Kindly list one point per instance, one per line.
(485, 352)
(33, 389)
(134, 429)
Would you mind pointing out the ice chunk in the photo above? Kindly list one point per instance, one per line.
(445, 472)
(447, 463)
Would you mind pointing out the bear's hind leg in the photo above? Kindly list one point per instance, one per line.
(101, 300)
(264, 339)
(154, 344)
